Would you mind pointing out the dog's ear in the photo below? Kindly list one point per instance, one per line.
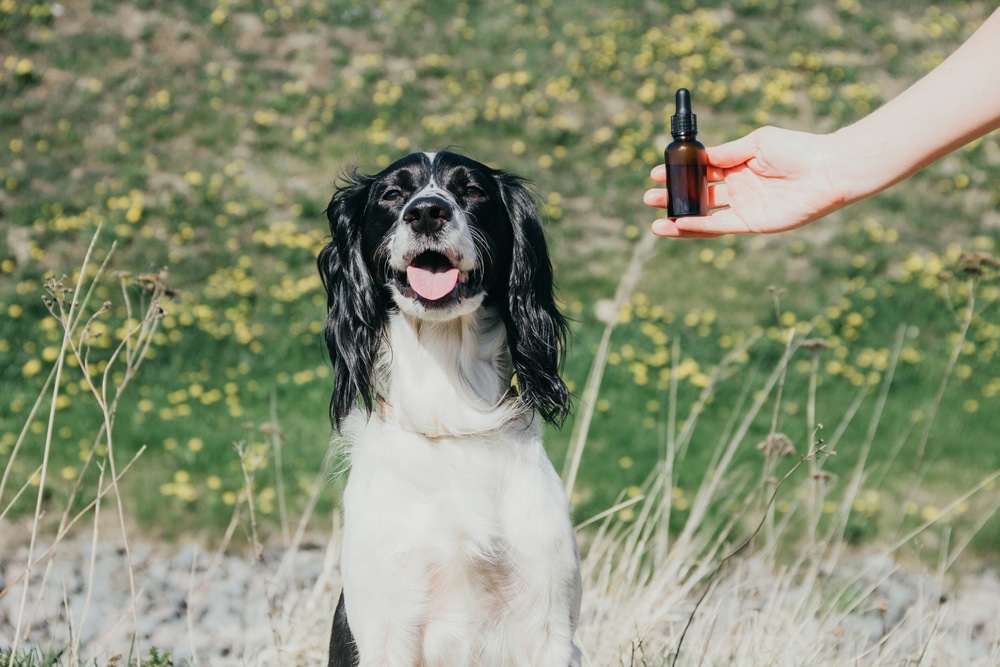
(356, 306)
(536, 330)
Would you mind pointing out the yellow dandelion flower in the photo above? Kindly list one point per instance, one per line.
(700, 380)
(162, 98)
(31, 368)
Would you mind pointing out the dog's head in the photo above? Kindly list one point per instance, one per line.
(439, 236)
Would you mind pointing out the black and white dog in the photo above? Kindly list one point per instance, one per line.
(458, 547)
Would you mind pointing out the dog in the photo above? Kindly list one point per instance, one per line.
(446, 344)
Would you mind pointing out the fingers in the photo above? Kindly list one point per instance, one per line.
(721, 222)
(718, 196)
(659, 173)
(702, 227)
(669, 229)
(655, 197)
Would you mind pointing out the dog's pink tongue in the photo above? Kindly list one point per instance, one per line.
(432, 285)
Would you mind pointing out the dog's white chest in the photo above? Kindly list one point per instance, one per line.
(458, 552)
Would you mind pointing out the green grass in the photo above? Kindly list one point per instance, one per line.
(36, 658)
(207, 146)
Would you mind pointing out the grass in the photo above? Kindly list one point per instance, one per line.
(670, 577)
(203, 140)
(214, 157)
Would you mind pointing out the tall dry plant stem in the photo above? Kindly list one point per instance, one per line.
(75, 645)
(813, 452)
(277, 443)
(771, 454)
(71, 319)
(965, 321)
(715, 474)
(22, 436)
(247, 467)
(811, 427)
(581, 427)
(132, 350)
(835, 535)
(69, 307)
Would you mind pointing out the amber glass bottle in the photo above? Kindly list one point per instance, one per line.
(686, 162)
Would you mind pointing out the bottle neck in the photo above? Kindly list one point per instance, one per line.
(685, 136)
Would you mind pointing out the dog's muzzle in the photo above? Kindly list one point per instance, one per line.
(433, 274)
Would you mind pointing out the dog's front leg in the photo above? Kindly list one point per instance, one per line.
(385, 615)
(384, 576)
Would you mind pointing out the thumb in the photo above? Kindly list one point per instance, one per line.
(733, 153)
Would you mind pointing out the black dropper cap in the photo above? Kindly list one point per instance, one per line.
(683, 122)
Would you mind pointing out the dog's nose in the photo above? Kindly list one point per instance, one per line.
(427, 215)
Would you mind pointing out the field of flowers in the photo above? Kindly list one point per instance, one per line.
(200, 141)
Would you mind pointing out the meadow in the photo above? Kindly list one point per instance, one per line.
(172, 162)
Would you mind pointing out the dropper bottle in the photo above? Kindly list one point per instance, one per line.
(686, 162)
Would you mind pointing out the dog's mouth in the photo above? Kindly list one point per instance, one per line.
(433, 278)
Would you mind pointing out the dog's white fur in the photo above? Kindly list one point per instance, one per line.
(457, 548)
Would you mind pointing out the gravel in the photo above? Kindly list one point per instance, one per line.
(273, 610)
(186, 605)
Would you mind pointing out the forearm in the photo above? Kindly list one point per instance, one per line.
(952, 105)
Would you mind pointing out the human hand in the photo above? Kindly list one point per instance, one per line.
(771, 180)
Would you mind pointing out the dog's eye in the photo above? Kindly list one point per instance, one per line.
(392, 195)
(472, 192)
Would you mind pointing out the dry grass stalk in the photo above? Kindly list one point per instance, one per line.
(70, 309)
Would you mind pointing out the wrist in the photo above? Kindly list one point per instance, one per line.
(856, 164)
